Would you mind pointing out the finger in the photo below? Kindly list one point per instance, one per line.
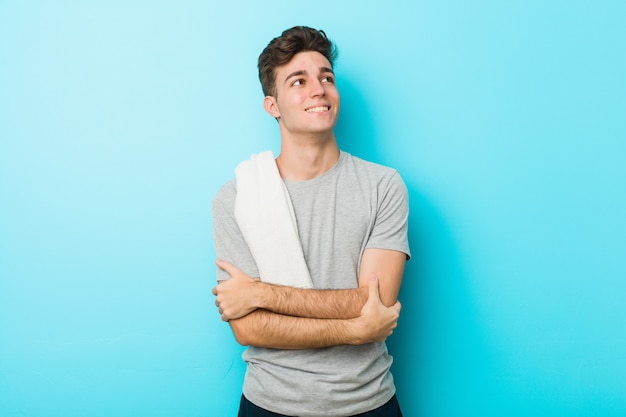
(222, 264)
(228, 267)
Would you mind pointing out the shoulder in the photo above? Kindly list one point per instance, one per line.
(363, 164)
(226, 193)
(380, 174)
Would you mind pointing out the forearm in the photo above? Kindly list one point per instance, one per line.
(316, 304)
(242, 294)
(387, 265)
(263, 328)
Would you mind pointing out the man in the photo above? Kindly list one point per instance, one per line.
(316, 351)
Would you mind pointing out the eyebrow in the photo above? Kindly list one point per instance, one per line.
(303, 72)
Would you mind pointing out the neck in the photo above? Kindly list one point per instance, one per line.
(305, 158)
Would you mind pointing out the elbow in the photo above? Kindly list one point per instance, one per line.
(241, 332)
(389, 301)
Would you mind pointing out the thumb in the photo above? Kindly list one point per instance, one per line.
(373, 287)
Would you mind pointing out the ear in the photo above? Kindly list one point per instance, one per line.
(269, 103)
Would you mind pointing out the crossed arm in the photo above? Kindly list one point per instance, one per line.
(266, 315)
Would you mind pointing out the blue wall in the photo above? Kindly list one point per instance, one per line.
(119, 121)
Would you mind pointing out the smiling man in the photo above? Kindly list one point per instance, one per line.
(311, 249)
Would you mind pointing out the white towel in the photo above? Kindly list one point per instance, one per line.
(267, 220)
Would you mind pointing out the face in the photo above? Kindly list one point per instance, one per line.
(306, 100)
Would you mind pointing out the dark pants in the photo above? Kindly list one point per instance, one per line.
(391, 409)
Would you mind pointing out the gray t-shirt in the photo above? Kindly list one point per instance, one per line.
(353, 206)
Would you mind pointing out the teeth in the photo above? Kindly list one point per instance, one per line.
(317, 109)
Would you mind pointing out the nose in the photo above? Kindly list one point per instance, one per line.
(317, 89)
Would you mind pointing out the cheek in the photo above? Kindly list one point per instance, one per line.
(337, 100)
(292, 102)
(333, 94)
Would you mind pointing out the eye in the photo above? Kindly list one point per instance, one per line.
(297, 82)
(328, 79)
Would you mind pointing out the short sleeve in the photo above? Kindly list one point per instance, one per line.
(228, 240)
(390, 230)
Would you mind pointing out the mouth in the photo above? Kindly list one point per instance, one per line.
(318, 109)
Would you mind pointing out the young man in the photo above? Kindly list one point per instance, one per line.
(316, 344)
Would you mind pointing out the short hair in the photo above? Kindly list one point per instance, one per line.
(283, 48)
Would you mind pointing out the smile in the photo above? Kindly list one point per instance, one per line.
(318, 109)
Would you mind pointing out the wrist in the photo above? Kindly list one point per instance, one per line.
(356, 331)
(262, 296)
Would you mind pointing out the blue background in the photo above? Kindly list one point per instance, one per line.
(119, 121)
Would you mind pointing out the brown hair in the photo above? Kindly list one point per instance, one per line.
(283, 48)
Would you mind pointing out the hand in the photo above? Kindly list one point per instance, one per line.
(235, 297)
(376, 321)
